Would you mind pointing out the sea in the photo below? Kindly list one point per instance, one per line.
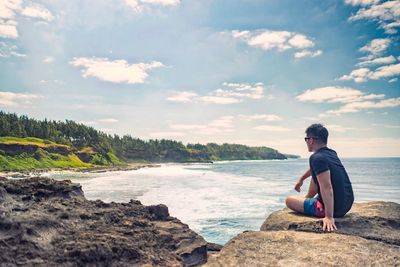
(223, 199)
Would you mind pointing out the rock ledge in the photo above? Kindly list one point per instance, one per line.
(44, 222)
(369, 235)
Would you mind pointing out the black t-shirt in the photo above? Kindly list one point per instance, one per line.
(326, 159)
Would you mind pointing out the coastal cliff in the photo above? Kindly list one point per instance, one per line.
(369, 235)
(44, 222)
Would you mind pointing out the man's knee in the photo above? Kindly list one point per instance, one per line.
(295, 203)
(289, 201)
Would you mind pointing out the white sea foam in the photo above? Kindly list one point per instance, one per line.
(221, 200)
(202, 198)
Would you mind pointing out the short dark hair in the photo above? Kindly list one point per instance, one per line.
(319, 132)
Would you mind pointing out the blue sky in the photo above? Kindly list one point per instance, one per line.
(251, 72)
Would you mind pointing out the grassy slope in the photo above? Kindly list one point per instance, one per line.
(42, 159)
(28, 141)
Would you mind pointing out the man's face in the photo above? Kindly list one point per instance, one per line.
(310, 142)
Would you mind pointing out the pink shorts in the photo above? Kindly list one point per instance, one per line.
(314, 207)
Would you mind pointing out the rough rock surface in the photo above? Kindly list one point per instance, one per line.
(369, 235)
(44, 222)
(373, 220)
(289, 248)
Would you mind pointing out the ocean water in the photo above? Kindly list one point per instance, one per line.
(223, 199)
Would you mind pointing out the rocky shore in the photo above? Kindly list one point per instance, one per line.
(44, 222)
(97, 169)
(369, 235)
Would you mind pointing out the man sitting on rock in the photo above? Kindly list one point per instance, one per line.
(329, 179)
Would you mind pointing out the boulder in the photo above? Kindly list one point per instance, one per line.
(290, 248)
(372, 220)
(369, 235)
(44, 222)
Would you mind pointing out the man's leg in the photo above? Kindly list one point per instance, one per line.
(295, 203)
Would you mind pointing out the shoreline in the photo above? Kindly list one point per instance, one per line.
(101, 169)
(97, 169)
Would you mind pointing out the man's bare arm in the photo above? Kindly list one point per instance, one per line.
(324, 180)
(302, 178)
(312, 190)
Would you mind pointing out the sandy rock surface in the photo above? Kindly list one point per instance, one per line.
(289, 248)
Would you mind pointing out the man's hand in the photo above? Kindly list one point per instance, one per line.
(328, 224)
(298, 185)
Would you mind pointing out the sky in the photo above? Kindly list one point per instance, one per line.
(253, 72)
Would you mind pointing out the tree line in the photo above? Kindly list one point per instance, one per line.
(127, 147)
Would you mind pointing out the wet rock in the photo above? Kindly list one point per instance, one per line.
(47, 223)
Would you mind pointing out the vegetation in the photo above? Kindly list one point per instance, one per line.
(94, 147)
(40, 159)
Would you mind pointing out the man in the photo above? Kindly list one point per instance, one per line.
(329, 182)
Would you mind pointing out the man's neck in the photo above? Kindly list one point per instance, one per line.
(319, 147)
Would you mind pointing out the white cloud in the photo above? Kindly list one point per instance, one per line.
(361, 2)
(37, 11)
(335, 94)
(139, 5)
(271, 128)
(385, 71)
(134, 5)
(8, 8)
(263, 117)
(7, 50)
(219, 100)
(353, 100)
(376, 46)
(386, 13)
(241, 90)
(162, 2)
(51, 81)
(230, 93)
(8, 29)
(358, 106)
(182, 97)
(358, 75)
(307, 53)
(108, 120)
(390, 27)
(10, 99)
(388, 10)
(301, 41)
(377, 61)
(270, 39)
(280, 40)
(363, 74)
(8, 11)
(393, 80)
(117, 71)
(48, 59)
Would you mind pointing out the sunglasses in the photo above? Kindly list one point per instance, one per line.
(308, 138)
